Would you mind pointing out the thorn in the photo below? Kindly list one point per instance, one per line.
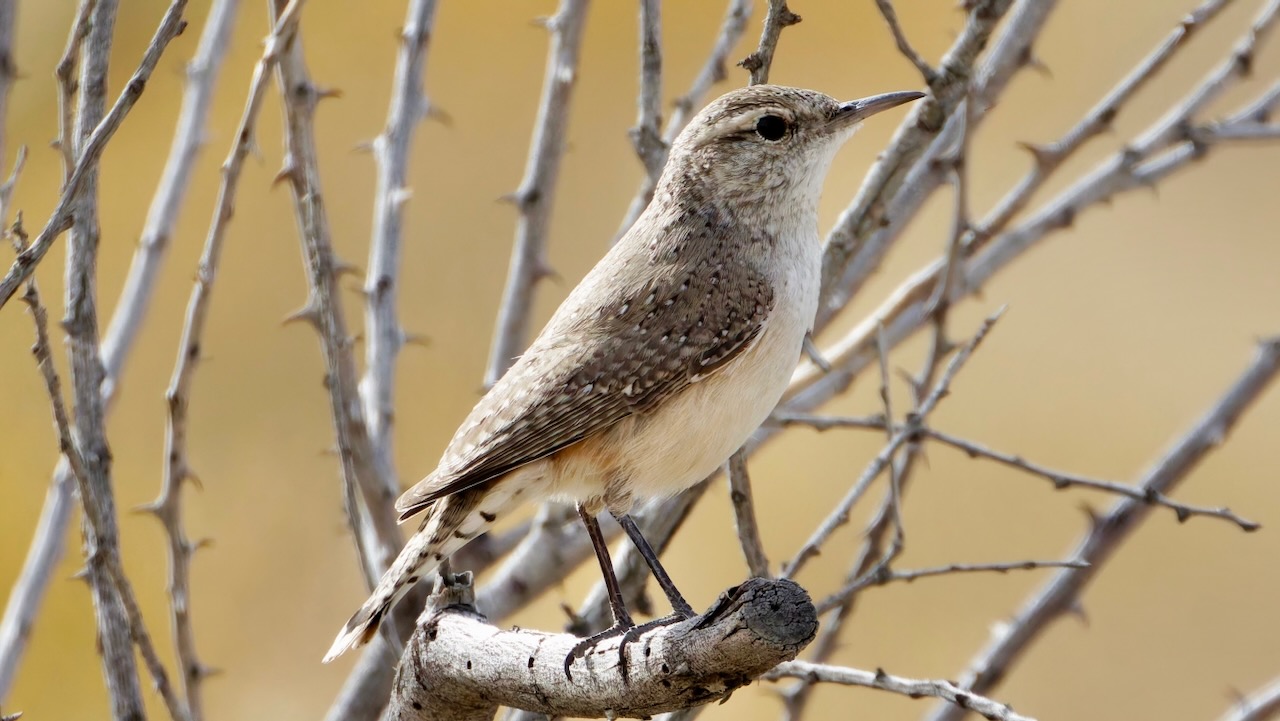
(202, 544)
(309, 313)
(1077, 609)
(431, 111)
(342, 267)
(81, 574)
(326, 93)
(1035, 63)
(1091, 515)
(364, 146)
(289, 171)
(153, 508)
(422, 340)
(400, 196)
(1045, 156)
(543, 271)
(189, 475)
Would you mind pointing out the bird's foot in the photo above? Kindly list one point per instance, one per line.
(629, 634)
(587, 644)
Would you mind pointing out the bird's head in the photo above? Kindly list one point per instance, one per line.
(768, 143)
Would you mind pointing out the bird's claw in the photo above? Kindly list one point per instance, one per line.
(629, 635)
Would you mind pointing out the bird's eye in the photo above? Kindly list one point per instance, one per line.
(771, 127)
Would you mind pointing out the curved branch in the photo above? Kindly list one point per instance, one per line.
(459, 667)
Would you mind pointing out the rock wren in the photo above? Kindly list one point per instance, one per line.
(664, 359)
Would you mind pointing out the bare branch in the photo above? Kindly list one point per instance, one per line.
(362, 471)
(383, 334)
(127, 318)
(744, 513)
(166, 204)
(1260, 705)
(459, 667)
(535, 197)
(1112, 529)
(760, 61)
(904, 46)
(712, 72)
(646, 136)
(1048, 158)
(1061, 479)
(97, 498)
(883, 575)
(913, 137)
(840, 515)
(960, 698)
(365, 693)
(87, 159)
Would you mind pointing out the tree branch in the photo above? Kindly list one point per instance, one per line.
(1260, 705)
(362, 469)
(945, 690)
(760, 61)
(458, 667)
(1110, 530)
(391, 150)
(535, 197)
(87, 159)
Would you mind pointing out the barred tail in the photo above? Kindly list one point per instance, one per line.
(451, 523)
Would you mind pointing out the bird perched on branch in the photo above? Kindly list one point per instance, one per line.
(664, 359)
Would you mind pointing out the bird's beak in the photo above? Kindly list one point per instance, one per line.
(856, 110)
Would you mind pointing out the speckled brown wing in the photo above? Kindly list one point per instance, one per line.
(596, 364)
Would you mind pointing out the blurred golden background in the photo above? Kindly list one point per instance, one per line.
(1119, 333)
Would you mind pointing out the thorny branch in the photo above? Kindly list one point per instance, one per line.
(760, 61)
(958, 697)
(840, 515)
(1260, 705)
(1059, 479)
(904, 46)
(87, 159)
(362, 469)
(744, 513)
(126, 320)
(646, 136)
(535, 197)
(712, 72)
(1110, 530)
(391, 151)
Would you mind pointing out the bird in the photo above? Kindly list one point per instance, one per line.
(664, 359)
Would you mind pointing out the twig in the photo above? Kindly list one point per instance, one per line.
(1260, 705)
(87, 159)
(760, 61)
(1109, 531)
(362, 470)
(840, 515)
(958, 698)
(1048, 158)
(886, 575)
(101, 535)
(712, 72)
(904, 46)
(383, 334)
(744, 513)
(905, 310)
(167, 202)
(126, 320)
(535, 197)
(646, 136)
(913, 137)
(1061, 479)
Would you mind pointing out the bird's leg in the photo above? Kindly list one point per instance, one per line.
(681, 610)
(622, 622)
(680, 606)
